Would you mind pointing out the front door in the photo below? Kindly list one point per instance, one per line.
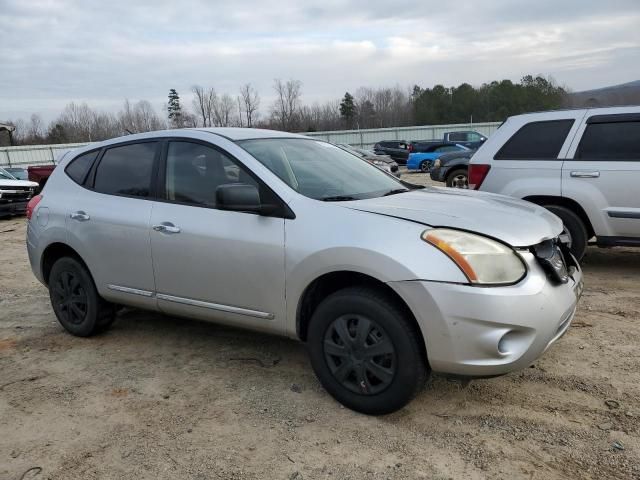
(604, 173)
(209, 263)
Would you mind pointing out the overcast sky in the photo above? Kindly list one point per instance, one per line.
(56, 51)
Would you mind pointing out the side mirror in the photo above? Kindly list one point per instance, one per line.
(239, 197)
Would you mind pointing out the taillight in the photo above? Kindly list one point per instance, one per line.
(410, 148)
(31, 206)
(477, 174)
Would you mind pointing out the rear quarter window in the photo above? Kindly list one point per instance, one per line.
(79, 166)
(610, 141)
(536, 141)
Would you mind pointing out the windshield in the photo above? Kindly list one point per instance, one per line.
(321, 170)
(4, 175)
(19, 173)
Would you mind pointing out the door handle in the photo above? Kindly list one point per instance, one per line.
(80, 216)
(166, 228)
(579, 174)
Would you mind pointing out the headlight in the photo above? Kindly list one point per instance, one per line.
(482, 260)
(436, 164)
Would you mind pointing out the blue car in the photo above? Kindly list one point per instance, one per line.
(425, 153)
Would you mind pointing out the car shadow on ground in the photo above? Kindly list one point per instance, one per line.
(612, 261)
(252, 358)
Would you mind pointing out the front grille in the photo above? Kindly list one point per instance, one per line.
(15, 194)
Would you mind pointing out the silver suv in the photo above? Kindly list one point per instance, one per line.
(583, 165)
(385, 281)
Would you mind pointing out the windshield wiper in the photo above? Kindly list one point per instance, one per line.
(337, 198)
(395, 191)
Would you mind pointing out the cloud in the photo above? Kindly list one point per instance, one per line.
(102, 52)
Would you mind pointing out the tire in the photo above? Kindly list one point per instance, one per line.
(575, 229)
(424, 166)
(369, 384)
(89, 313)
(458, 178)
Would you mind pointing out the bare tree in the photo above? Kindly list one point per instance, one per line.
(251, 102)
(141, 117)
(36, 127)
(204, 103)
(285, 109)
(239, 100)
(223, 111)
(189, 120)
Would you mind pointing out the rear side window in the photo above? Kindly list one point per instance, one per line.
(536, 141)
(79, 166)
(610, 141)
(126, 170)
(458, 137)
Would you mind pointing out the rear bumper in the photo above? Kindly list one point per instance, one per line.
(18, 207)
(489, 331)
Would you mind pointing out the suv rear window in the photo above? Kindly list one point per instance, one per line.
(610, 141)
(536, 141)
(79, 166)
(126, 170)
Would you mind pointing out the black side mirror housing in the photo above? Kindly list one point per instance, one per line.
(239, 197)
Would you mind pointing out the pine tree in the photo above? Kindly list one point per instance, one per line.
(348, 109)
(174, 110)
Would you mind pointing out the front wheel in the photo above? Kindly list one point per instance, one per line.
(75, 300)
(424, 167)
(459, 178)
(365, 351)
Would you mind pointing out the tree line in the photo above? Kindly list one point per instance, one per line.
(364, 108)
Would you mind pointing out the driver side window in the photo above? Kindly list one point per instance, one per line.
(195, 171)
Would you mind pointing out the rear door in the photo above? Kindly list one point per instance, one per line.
(603, 174)
(109, 222)
(529, 162)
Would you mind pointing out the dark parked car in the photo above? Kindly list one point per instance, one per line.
(469, 139)
(384, 162)
(452, 169)
(19, 173)
(396, 149)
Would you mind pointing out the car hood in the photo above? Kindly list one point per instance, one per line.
(16, 183)
(515, 222)
(448, 157)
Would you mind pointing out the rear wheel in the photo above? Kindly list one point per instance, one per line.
(458, 178)
(424, 166)
(574, 234)
(75, 300)
(365, 351)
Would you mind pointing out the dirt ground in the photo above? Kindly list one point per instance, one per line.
(159, 397)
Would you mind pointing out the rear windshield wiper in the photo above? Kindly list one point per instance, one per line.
(396, 191)
(337, 198)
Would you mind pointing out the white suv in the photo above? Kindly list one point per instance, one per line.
(583, 165)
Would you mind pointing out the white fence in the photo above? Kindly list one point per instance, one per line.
(33, 154)
(367, 138)
(43, 154)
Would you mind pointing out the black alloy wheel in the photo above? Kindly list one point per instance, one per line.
(70, 297)
(360, 354)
